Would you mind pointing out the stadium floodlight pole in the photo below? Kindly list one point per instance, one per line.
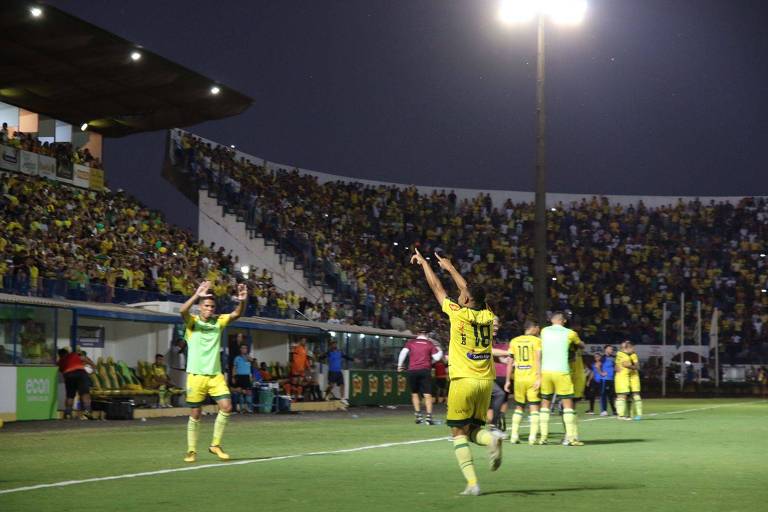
(682, 341)
(664, 349)
(569, 12)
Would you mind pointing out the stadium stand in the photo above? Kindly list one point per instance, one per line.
(64, 242)
(612, 266)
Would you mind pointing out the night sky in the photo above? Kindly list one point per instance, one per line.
(665, 97)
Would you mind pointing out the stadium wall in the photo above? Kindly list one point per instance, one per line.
(225, 230)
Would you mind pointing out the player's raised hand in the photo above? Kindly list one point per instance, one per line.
(203, 289)
(444, 263)
(417, 257)
(242, 292)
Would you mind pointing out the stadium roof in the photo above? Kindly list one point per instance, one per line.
(66, 68)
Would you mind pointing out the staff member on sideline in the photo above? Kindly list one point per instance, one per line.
(76, 381)
(421, 352)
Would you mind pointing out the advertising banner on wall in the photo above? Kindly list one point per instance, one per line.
(81, 176)
(36, 388)
(90, 336)
(377, 387)
(46, 166)
(28, 163)
(9, 158)
(64, 171)
(96, 179)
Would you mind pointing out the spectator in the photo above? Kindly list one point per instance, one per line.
(76, 382)
(334, 356)
(160, 380)
(177, 362)
(242, 385)
(594, 381)
(607, 381)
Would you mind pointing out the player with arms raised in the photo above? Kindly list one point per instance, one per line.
(470, 368)
(204, 377)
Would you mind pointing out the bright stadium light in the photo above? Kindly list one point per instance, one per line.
(135, 56)
(36, 12)
(232, 146)
(83, 127)
(517, 11)
(565, 12)
(215, 90)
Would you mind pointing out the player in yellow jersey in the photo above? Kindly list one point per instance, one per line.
(471, 368)
(578, 375)
(628, 382)
(526, 364)
(556, 344)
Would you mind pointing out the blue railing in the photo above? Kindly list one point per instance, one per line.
(102, 293)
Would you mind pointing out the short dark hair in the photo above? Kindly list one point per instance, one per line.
(244, 345)
(159, 355)
(479, 294)
(203, 299)
(560, 314)
(530, 324)
(63, 352)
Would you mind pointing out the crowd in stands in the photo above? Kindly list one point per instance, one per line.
(62, 241)
(61, 151)
(612, 266)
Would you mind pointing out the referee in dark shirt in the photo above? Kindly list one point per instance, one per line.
(421, 353)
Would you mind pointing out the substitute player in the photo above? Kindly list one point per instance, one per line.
(578, 374)
(628, 382)
(526, 365)
(204, 377)
(421, 353)
(470, 369)
(556, 343)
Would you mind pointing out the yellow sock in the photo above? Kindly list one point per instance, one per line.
(621, 406)
(517, 418)
(638, 404)
(464, 456)
(544, 422)
(193, 430)
(481, 437)
(534, 419)
(218, 427)
(571, 427)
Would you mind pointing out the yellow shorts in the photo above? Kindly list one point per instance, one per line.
(579, 383)
(556, 383)
(468, 401)
(201, 386)
(627, 383)
(524, 390)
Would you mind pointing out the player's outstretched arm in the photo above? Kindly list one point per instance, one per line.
(202, 291)
(446, 265)
(242, 297)
(434, 283)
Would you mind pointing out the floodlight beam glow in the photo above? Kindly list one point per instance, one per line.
(566, 12)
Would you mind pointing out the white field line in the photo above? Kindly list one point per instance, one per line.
(67, 483)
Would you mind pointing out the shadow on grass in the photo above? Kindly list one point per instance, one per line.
(540, 492)
(591, 442)
(670, 418)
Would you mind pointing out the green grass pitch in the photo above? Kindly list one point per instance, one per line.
(686, 455)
